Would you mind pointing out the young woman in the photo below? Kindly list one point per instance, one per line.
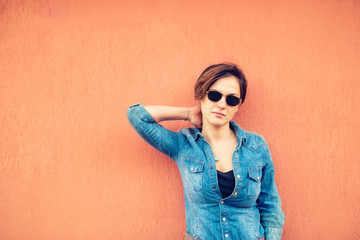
(227, 173)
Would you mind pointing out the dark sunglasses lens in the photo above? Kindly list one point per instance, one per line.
(214, 96)
(232, 101)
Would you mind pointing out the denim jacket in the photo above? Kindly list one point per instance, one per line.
(254, 207)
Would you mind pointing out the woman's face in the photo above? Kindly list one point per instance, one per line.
(220, 113)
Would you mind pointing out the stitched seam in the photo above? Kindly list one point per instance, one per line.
(255, 148)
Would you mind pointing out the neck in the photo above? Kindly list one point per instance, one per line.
(214, 134)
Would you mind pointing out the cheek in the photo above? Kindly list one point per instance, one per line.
(204, 105)
(232, 112)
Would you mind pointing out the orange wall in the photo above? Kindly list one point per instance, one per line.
(73, 168)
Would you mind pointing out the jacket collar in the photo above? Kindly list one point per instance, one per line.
(240, 133)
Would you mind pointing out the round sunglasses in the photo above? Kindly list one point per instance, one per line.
(215, 96)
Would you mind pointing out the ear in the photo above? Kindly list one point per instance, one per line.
(200, 101)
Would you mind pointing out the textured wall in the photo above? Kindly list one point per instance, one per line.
(71, 167)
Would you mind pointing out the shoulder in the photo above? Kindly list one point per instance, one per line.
(256, 144)
(254, 141)
(249, 139)
(190, 133)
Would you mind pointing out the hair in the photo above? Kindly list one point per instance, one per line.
(215, 72)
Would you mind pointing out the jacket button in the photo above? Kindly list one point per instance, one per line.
(226, 235)
(213, 187)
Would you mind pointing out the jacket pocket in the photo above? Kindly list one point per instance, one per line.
(194, 173)
(254, 186)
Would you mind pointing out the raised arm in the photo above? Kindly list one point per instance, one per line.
(164, 113)
(145, 122)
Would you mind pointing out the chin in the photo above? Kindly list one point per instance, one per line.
(219, 122)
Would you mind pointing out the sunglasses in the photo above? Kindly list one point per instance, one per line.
(215, 96)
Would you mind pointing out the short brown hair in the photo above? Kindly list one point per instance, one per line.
(215, 72)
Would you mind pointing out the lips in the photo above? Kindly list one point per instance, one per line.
(218, 114)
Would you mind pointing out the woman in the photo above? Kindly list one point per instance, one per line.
(227, 173)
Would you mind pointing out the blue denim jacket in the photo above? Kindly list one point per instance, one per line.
(254, 207)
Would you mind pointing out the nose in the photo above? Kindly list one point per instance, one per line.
(222, 102)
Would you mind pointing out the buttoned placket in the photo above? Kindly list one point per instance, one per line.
(224, 213)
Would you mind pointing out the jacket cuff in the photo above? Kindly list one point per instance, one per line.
(139, 112)
(273, 233)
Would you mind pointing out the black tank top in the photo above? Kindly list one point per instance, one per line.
(226, 183)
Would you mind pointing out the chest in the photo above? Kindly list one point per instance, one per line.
(223, 154)
(199, 174)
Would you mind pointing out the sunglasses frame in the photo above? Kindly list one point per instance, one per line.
(227, 98)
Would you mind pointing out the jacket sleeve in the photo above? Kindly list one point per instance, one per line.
(164, 140)
(269, 204)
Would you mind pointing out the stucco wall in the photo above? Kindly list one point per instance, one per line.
(71, 167)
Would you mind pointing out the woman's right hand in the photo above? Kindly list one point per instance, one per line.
(195, 116)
